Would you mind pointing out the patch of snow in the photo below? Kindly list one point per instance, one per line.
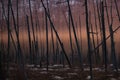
(96, 69)
(111, 65)
(58, 78)
(72, 74)
(57, 65)
(76, 67)
(7, 79)
(11, 68)
(66, 68)
(119, 78)
(109, 75)
(86, 69)
(113, 79)
(84, 64)
(50, 69)
(115, 70)
(28, 65)
(37, 65)
(88, 77)
(50, 66)
(62, 69)
(44, 69)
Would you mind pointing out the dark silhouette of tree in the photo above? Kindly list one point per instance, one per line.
(88, 38)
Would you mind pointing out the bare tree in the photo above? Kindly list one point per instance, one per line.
(96, 28)
(75, 36)
(88, 38)
(113, 52)
(52, 25)
(104, 36)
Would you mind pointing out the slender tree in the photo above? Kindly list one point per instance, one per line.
(96, 28)
(29, 38)
(52, 25)
(75, 36)
(19, 50)
(116, 5)
(104, 35)
(88, 38)
(113, 52)
(47, 46)
(71, 44)
(8, 29)
(93, 38)
(80, 34)
(32, 20)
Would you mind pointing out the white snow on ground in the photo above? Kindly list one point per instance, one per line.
(50, 66)
(84, 64)
(37, 65)
(72, 74)
(86, 69)
(32, 65)
(7, 79)
(109, 75)
(113, 79)
(43, 69)
(118, 69)
(95, 69)
(66, 68)
(50, 69)
(28, 65)
(57, 65)
(58, 78)
(88, 77)
(62, 69)
(111, 65)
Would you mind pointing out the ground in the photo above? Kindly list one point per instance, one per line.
(57, 72)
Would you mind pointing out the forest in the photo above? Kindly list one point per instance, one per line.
(59, 39)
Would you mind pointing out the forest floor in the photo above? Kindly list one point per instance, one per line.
(57, 72)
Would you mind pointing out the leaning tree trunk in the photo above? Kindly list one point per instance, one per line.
(52, 25)
(71, 44)
(19, 50)
(75, 36)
